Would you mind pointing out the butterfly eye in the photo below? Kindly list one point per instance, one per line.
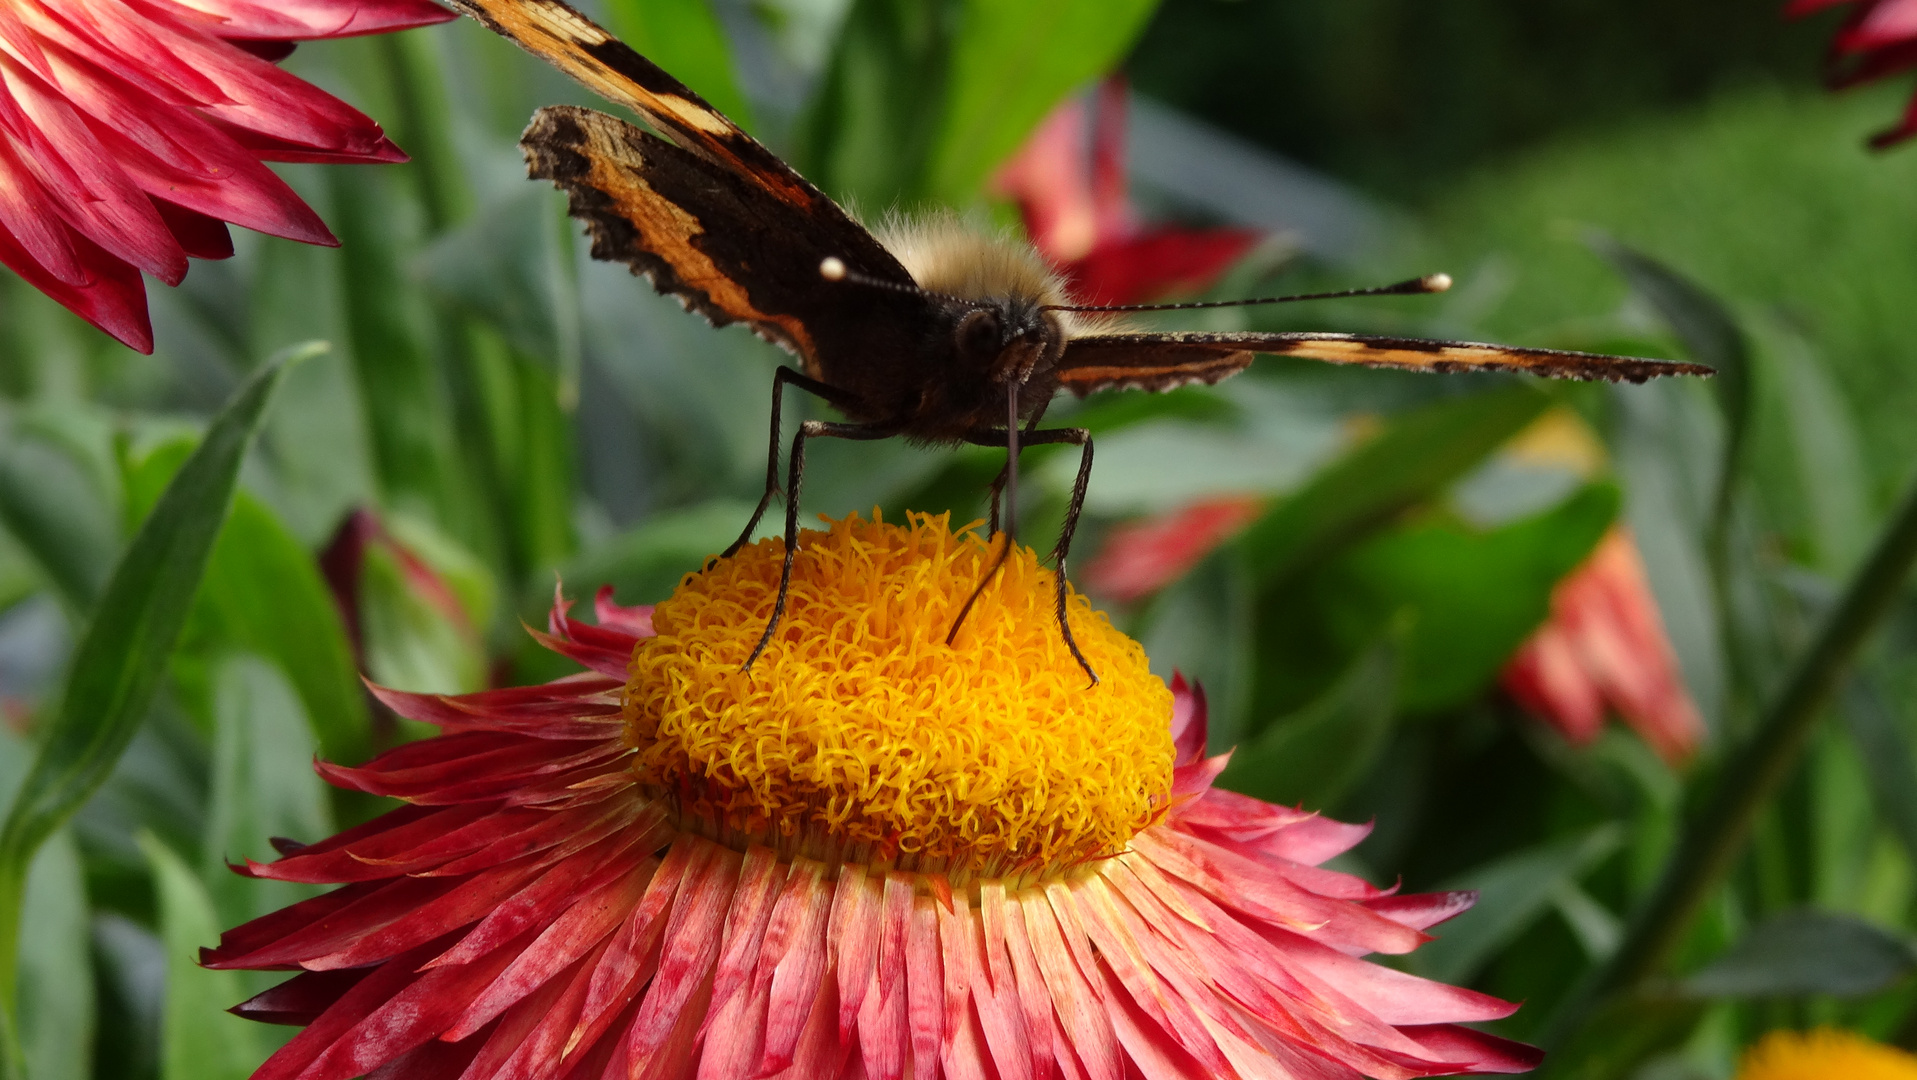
(978, 334)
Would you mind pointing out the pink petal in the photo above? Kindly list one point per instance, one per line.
(1005, 936)
(1077, 1004)
(796, 942)
(759, 883)
(884, 1036)
(685, 966)
(1188, 724)
(854, 932)
(924, 988)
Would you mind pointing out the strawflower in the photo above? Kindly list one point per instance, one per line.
(871, 855)
(1070, 185)
(1878, 38)
(1824, 1054)
(133, 131)
(1604, 647)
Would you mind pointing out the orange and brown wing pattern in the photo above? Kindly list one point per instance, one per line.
(730, 249)
(1162, 361)
(576, 45)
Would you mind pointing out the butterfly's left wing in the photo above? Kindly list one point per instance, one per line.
(1151, 361)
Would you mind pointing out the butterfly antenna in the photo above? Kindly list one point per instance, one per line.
(833, 268)
(1430, 283)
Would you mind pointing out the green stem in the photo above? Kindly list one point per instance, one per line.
(1714, 837)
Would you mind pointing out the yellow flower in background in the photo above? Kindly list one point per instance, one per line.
(1825, 1054)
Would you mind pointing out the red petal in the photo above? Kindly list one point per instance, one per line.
(199, 235)
(115, 301)
(1476, 1050)
(301, 999)
(408, 1019)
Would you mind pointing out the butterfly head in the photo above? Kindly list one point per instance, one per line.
(1008, 339)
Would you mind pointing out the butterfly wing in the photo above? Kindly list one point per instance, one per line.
(1162, 361)
(576, 45)
(711, 216)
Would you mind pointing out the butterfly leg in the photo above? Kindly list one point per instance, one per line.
(1081, 438)
(811, 429)
(780, 379)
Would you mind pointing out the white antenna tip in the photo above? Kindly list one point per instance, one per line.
(1437, 282)
(832, 268)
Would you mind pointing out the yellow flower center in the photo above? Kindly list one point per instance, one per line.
(1825, 1054)
(859, 734)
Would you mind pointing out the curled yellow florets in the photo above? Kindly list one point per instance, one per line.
(861, 733)
(1825, 1054)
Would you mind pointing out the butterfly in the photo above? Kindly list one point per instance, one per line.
(925, 330)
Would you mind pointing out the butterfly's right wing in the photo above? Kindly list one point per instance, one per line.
(566, 39)
(1151, 361)
(727, 247)
(711, 216)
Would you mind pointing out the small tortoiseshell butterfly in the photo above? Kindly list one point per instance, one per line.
(927, 330)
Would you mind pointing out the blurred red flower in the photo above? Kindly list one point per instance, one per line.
(1878, 38)
(1141, 557)
(1069, 183)
(135, 130)
(1604, 646)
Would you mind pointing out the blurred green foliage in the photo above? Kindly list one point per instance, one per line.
(496, 409)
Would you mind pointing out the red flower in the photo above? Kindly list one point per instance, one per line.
(1141, 557)
(1604, 645)
(551, 904)
(135, 129)
(1070, 187)
(1879, 38)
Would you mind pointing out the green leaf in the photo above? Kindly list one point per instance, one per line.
(1012, 61)
(56, 966)
(1886, 757)
(390, 336)
(1201, 626)
(686, 38)
(1413, 459)
(1623, 1035)
(868, 132)
(263, 593)
(510, 266)
(57, 1019)
(1831, 470)
(50, 505)
(422, 603)
(1477, 596)
(122, 657)
(1711, 335)
(1313, 757)
(1474, 594)
(1513, 892)
(199, 1039)
(263, 786)
(1807, 952)
(644, 564)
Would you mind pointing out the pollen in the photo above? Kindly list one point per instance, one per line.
(861, 734)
